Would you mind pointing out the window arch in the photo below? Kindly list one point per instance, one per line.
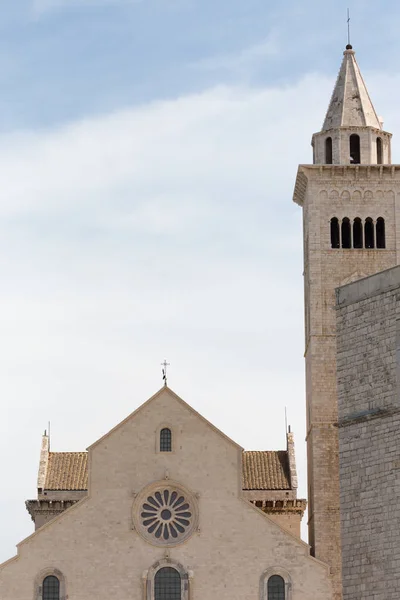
(369, 233)
(380, 233)
(355, 154)
(335, 238)
(165, 440)
(346, 233)
(167, 584)
(379, 151)
(50, 585)
(357, 233)
(167, 580)
(51, 588)
(276, 588)
(275, 584)
(328, 151)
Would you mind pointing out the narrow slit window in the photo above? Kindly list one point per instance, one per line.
(276, 588)
(167, 584)
(51, 588)
(346, 233)
(165, 440)
(369, 233)
(379, 151)
(328, 151)
(335, 241)
(357, 233)
(355, 154)
(380, 233)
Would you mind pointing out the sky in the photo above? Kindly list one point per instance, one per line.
(148, 153)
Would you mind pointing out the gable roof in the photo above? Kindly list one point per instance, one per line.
(261, 470)
(67, 471)
(172, 394)
(266, 470)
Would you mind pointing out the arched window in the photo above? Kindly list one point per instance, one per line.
(357, 233)
(51, 588)
(379, 151)
(276, 588)
(369, 233)
(328, 151)
(346, 233)
(335, 241)
(380, 233)
(355, 156)
(165, 440)
(167, 584)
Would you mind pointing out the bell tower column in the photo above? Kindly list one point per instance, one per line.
(349, 200)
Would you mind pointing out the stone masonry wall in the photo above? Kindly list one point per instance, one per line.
(325, 192)
(368, 346)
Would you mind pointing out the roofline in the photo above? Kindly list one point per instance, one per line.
(182, 402)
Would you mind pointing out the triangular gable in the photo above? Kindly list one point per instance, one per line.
(180, 401)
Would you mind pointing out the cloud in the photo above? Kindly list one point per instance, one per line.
(244, 61)
(163, 230)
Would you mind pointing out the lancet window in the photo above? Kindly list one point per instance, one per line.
(328, 151)
(355, 153)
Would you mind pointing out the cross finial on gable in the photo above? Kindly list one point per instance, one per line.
(164, 365)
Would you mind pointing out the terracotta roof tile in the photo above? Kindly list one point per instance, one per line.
(266, 470)
(67, 471)
(262, 470)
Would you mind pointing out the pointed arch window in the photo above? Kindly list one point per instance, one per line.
(51, 588)
(165, 440)
(276, 588)
(167, 584)
(328, 151)
(355, 154)
(369, 233)
(379, 151)
(380, 233)
(357, 233)
(346, 233)
(335, 239)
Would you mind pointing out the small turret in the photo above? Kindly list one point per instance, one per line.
(352, 132)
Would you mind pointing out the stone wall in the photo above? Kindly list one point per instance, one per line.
(368, 346)
(325, 192)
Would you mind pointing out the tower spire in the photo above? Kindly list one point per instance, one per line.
(350, 104)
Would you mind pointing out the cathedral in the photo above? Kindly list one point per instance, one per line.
(166, 507)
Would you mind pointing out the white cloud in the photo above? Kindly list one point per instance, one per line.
(165, 230)
(244, 61)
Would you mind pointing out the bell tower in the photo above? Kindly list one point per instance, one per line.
(350, 200)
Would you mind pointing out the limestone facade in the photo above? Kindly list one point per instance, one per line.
(368, 366)
(343, 203)
(106, 546)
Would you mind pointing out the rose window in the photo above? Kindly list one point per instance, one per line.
(165, 514)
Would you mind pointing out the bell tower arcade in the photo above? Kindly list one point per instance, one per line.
(350, 198)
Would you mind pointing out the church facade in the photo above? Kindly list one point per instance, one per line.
(174, 510)
(165, 506)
